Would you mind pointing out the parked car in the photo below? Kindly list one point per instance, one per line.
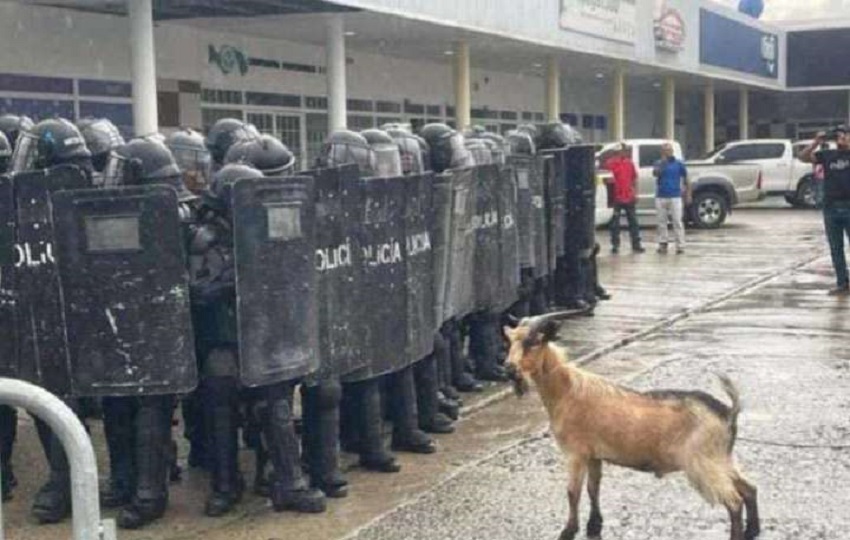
(782, 171)
(716, 190)
(604, 213)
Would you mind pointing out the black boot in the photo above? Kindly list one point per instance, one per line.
(221, 399)
(443, 358)
(119, 421)
(321, 437)
(449, 408)
(373, 454)
(8, 433)
(539, 300)
(194, 431)
(52, 503)
(431, 419)
(407, 437)
(153, 435)
(483, 348)
(461, 379)
(289, 490)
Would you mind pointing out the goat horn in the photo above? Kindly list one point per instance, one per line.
(554, 316)
(513, 321)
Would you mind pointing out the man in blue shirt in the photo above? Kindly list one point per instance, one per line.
(671, 177)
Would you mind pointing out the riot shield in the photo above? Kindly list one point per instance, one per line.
(460, 293)
(8, 294)
(339, 269)
(486, 225)
(382, 296)
(539, 229)
(441, 242)
(419, 265)
(509, 256)
(521, 166)
(42, 341)
(125, 283)
(274, 248)
(555, 207)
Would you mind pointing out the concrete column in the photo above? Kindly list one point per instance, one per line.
(744, 113)
(335, 65)
(463, 89)
(553, 90)
(669, 107)
(143, 67)
(709, 113)
(618, 105)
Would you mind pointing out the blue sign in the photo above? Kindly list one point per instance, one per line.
(730, 44)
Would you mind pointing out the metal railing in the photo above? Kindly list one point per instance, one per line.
(87, 524)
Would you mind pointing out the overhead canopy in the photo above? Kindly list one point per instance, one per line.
(191, 9)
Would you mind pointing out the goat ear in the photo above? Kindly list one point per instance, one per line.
(509, 333)
(549, 331)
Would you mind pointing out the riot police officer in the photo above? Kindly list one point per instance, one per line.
(102, 137)
(214, 298)
(138, 429)
(361, 422)
(8, 415)
(401, 386)
(435, 410)
(449, 151)
(48, 144)
(5, 152)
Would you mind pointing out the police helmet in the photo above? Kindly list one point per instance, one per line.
(11, 125)
(343, 147)
(5, 152)
(192, 157)
(224, 134)
(520, 143)
(386, 150)
(217, 197)
(144, 161)
(266, 154)
(557, 135)
(447, 147)
(102, 137)
(50, 143)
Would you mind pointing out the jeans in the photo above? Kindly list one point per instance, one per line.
(670, 209)
(837, 224)
(634, 229)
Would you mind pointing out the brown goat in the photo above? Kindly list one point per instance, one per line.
(595, 421)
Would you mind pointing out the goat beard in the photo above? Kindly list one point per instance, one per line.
(520, 386)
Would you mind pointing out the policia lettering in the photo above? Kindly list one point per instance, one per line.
(258, 280)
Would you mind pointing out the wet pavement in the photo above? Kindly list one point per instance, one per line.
(748, 300)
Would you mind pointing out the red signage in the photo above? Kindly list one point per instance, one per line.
(670, 31)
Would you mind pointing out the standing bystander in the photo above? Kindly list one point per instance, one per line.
(671, 177)
(836, 198)
(624, 187)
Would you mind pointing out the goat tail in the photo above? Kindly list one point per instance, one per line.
(735, 396)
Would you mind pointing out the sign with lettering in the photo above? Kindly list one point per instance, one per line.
(731, 44)
(609, 19)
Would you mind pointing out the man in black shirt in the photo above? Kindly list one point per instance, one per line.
(836, 198)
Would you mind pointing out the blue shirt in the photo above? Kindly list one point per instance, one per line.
(671, 172)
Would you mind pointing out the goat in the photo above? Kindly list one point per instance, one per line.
(661, 432)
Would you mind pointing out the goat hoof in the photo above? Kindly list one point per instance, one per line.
(594, 526)
(752, 532)
(568, 533)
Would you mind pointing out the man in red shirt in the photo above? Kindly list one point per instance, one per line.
(624, 186)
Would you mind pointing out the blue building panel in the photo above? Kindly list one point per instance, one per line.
(731, 44)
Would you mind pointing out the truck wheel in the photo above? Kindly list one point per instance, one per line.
(709, 209)
(806, 194)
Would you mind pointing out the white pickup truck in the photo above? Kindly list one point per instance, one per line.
(782, 171)
(716, 190)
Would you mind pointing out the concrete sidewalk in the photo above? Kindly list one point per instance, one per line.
(650, 291)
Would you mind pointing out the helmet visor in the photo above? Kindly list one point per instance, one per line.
(344, 154)
(115, 173)
(387, 160)
(196, 165)
(26, 153)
